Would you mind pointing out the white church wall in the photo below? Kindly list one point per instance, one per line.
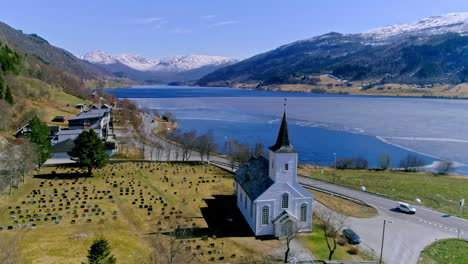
(261, 229)
(277, 171)
(242, 197)
(296, 199)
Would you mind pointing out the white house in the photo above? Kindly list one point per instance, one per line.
(267, 191)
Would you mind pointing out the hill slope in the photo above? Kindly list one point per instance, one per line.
(39, 47)
(432, 50)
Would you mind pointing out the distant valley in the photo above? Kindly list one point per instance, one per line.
(165, 70)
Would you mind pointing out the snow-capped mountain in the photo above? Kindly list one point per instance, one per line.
(433, 50)
(453, 22)
(169, 64)
(190, 62)
(99, 57)
(177, 68)
(136, 62)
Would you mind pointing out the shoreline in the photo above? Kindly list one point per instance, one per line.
(380, 138)
(369, 95)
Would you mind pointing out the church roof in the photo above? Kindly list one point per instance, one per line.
(253, 177)
(283, 144)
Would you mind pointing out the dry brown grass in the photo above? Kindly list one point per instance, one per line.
(344, 206)
(130, 232)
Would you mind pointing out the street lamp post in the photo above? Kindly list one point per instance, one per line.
(334, 170)
(383, 237)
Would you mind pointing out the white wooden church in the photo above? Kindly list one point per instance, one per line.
(267, 191)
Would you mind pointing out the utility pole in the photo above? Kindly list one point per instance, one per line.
(383, 237)
(334, 171)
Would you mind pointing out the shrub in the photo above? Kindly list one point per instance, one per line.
(353, 250)
(341, 241)
(411, 163)
(344, 163)
(359, 163)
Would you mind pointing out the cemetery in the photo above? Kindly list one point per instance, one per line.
(55, 215)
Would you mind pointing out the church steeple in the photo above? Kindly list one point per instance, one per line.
(283, 144)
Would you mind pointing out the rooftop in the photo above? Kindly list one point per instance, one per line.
(95, 113)
(253, 177)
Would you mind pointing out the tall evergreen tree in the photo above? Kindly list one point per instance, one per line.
(40, 137)
(100, 252)
(89, 151)
(9, 96)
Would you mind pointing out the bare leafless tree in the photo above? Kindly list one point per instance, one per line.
(289, 232)
(169, 247)
(258, 149)
(331, 223)
(12, 166)
(168, 149)
(384, 161)
(27, 158)
(205, 144)
(411, 162)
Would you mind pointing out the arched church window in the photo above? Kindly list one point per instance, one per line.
(303, 217)
(265, 215)
(286, 166)
(285, 200)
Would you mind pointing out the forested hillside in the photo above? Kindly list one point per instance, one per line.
(29, 87)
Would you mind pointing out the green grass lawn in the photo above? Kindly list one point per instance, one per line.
(441, 193)
(447, 251)
(317, 245)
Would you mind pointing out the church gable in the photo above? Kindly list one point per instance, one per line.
(253, 177)
(278, 188)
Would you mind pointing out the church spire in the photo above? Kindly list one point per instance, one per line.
(283, 144)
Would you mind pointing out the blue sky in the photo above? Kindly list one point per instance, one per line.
(234, 28)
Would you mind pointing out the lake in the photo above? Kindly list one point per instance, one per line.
(320, 124)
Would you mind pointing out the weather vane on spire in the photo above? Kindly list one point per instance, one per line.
(284, 105)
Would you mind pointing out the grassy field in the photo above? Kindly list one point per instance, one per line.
(130, 204)
(344, 206)
(448, 251)
(315, 242)
(441, 193)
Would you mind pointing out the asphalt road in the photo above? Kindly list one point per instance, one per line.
(407, 235)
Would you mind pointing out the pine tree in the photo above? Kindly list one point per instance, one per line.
(100, 253)
(9, 96)
(89, 151)
(40, 137)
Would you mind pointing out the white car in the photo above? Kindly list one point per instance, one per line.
(405, 207)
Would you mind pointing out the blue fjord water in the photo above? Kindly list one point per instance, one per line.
(320, 125)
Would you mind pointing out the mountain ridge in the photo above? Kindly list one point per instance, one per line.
(431, 50)
(169, 69)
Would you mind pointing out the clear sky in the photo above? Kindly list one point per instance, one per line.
(234, 28)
